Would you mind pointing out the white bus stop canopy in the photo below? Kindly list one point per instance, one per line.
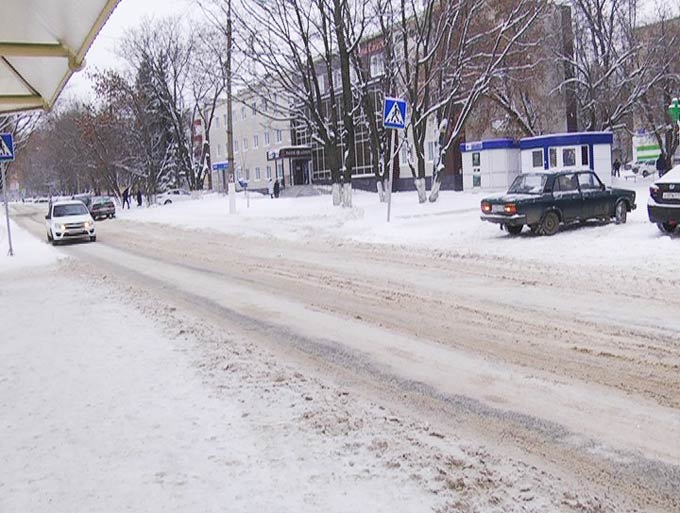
(42, 43)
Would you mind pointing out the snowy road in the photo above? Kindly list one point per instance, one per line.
(558, 367)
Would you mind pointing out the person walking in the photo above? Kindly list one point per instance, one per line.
(277, 188)
(126, 198)
(270, 188)
(139, 198)
(616, 167)
(661, 165)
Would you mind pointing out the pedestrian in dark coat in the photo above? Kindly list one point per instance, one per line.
(126, 198)
(661, 165)
(277, 188)
(617, 167)
(139, 198)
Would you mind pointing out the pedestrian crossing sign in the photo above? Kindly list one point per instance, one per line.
(6, 147)
(394, 113)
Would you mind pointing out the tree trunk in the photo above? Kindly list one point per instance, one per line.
(381, 191)
(420, 187)
(335, 188)
(347, 195)
(434, 192)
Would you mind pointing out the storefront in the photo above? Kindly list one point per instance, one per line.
(298, 170)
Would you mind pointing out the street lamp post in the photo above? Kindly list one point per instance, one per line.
(231, 185)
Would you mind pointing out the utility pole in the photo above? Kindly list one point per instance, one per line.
(231, 185)
(3, 170)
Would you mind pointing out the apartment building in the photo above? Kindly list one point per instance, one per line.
(262, 141)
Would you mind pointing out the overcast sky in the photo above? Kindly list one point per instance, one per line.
(128, 14)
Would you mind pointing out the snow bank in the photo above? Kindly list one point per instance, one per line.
(450, 225)
(28, 250)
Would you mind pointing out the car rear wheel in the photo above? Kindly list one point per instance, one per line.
(514, 229)
(550, 224)
(621, 212)
(667, 227)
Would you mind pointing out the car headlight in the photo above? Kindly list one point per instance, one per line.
(89, 224)
(62, 227)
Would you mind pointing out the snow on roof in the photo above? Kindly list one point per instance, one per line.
(42, 43)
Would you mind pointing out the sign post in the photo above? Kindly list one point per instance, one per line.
(6, 155)
(394, 118)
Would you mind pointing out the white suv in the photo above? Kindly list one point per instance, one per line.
(69, 220)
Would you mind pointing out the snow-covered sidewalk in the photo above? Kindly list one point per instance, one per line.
(103, 411)
(450, 225)
(28, 250)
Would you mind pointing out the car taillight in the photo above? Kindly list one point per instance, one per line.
(510, 208)
(655, 192)
(486, 207)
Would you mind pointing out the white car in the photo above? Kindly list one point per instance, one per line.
(643, 168)
(172, 196)
(67, 220)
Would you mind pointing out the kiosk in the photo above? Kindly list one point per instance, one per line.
(562, 152)
(490, 165)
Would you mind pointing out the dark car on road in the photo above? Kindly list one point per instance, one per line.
(544, 201)
(102, 207)
(663, 206)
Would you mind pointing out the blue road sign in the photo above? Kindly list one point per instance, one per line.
(219, 166)
(6, 147)
(394, 113)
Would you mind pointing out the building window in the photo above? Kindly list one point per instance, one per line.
(253, 108)
(256, 141)
(322, 84)
(377, 65)
(269, 172)
(278, 136)
(219, 150)
(337, 79)
(432, 149)
(257, 173)
(553, 157)
(537, 158)
(279, 169)
(243, 112)
(585, 153)
(404, 155)
(217, 122)
(225, 120)
(247, 174)
(266, 138)
(245, 144)
(569, 157)
(235, 145)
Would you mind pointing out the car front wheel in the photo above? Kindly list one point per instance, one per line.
(93, 238)
(550, 224)
(621, 212)
(514, 229)
(667, 227)
(167, 202)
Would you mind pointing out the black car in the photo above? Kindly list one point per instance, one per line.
(663, 206)
(545, 200)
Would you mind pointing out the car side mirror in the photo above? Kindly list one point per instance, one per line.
(47, 216)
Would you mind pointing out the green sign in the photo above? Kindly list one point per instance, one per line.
(674, 110)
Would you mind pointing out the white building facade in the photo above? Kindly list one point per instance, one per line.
(257, 135)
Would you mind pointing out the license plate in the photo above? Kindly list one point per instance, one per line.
(671, 195)
(497, 208)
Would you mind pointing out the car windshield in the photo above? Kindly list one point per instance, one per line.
(74, 209)
(528, 184)
(97, 201)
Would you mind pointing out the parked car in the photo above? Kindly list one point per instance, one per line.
(102, 207)
(172, 196)
(69, 219)
(42, 200)
(642, 168)
(543, 201)
(663, 206)
(85, 198)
